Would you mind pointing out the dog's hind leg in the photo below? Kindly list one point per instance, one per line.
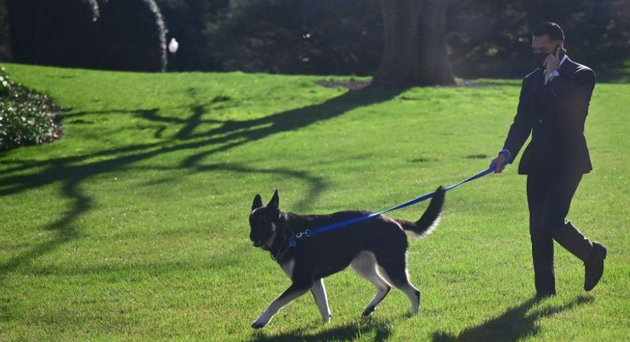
(365, 266)
(395, 270)
(321, 299)
(294, 291)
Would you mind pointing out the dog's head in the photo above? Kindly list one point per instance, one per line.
(263, 221)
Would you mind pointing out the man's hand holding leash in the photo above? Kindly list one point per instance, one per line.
(499, 163)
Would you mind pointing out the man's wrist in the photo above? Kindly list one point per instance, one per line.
(551, 75)
(505, 152)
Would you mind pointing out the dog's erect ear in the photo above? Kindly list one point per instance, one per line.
(257, 202)
(275, 201)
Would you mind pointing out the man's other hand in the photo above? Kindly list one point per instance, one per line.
(552, 62)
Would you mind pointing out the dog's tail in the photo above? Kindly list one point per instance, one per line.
(430, 219)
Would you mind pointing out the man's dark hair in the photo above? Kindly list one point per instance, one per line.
(553, 30)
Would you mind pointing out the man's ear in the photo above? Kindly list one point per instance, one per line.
(275, 201)
(257, 202)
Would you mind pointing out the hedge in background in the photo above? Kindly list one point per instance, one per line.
(114, 34)
(54, 32)
(26, 117)
(67, 33)
(299, 36)
(186, 21)
(134, 36)
(23, 27)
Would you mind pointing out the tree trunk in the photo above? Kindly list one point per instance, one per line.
(415, 43)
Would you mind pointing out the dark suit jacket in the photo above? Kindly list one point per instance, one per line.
(555, 115)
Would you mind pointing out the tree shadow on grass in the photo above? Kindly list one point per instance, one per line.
(380, 329)
(73, 171)
(514, 324)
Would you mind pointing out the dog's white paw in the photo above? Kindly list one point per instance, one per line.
(412, 313)
(326, 319)
(260, 322)
(258, 325)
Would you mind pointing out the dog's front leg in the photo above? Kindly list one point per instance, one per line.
(319, 292)
(294, 291)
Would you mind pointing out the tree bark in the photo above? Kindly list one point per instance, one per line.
(415, 43)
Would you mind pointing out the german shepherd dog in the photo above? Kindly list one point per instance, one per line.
(375, 248)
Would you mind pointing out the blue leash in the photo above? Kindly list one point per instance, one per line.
(326, 228)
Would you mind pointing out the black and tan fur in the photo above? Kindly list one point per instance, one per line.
(375, 249)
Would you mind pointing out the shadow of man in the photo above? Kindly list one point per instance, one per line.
(513, 325)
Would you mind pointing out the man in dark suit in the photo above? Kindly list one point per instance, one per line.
(553, 106)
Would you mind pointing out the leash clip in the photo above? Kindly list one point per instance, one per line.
(305, 233)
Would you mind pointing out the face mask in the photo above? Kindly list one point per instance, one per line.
(539, 59)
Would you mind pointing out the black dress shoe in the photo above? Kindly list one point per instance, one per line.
(594, 267)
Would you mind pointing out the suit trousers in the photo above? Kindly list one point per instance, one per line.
(549, 199)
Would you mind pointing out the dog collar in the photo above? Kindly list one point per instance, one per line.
(290, 242)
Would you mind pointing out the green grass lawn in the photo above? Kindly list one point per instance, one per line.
(134, 225)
